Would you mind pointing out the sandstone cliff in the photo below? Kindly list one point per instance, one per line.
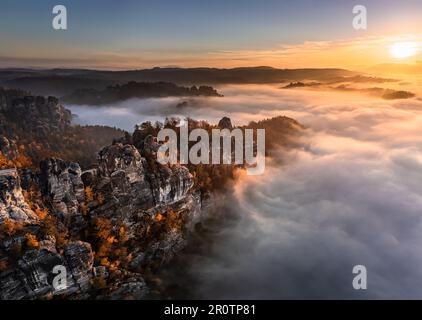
(28, 261)
(105, 225)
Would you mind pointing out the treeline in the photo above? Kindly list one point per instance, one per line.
(134, 89)
(76, 143)
(280, 132)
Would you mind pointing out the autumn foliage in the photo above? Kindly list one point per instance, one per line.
(31, 240)
(19, 161)
(9, 227)
(89, 194)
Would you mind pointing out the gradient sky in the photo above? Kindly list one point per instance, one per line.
(138, 34)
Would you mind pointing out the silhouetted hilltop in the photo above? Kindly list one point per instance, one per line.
(136, 90)
(60, 82)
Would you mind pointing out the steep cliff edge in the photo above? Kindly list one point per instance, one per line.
(154, 206)
(106, 226)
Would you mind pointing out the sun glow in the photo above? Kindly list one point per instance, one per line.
(401, 50)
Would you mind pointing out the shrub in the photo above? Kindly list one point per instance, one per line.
(89, 194)
(10, 227)
(3, 265)
(41, 213)
(31, 240)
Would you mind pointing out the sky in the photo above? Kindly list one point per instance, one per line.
(131, 34)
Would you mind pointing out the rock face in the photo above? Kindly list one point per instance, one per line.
(34, 274)
(153, 204)
(12, 202)
(137, 194)
(79, 259)
(122, 174)
(61, 183)
(122, 168)
(170, 184)
(150, 146)
(29, 271)
(38, 115)
(41, 115)
(132, 287)
(7, 96)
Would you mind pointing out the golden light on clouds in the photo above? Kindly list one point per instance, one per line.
(355, 53)
(402, 50)
(359, 54)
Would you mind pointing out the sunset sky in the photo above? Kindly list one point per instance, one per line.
(138, 34)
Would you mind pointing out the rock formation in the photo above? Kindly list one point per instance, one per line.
(12, 202)
(40, 115)
(137, 193)
(154, 205)
(27, 268)
(61, 183)
(225, 123)
(33, 275)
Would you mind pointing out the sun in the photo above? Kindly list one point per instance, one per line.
(401, 50)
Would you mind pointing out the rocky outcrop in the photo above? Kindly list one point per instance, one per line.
(12, 202)
(131, 286)
(61, 184)
(153, 204)
(38, 115)
(41, 115)
(225, 123)
(79, 259)
(27, 269)
(7, 96)
(170, 185)
(127, 174)
(139, 193)
(35, 271)
(122, 176)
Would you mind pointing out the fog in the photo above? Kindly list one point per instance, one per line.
(351, 196)
(242, 103)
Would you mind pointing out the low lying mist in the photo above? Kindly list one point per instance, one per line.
(351, 196)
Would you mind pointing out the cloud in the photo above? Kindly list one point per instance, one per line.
(307, 224)
(351, 196)
(356, 53)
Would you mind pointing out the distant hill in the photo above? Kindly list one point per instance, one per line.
(60, 82)
(56, 85)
